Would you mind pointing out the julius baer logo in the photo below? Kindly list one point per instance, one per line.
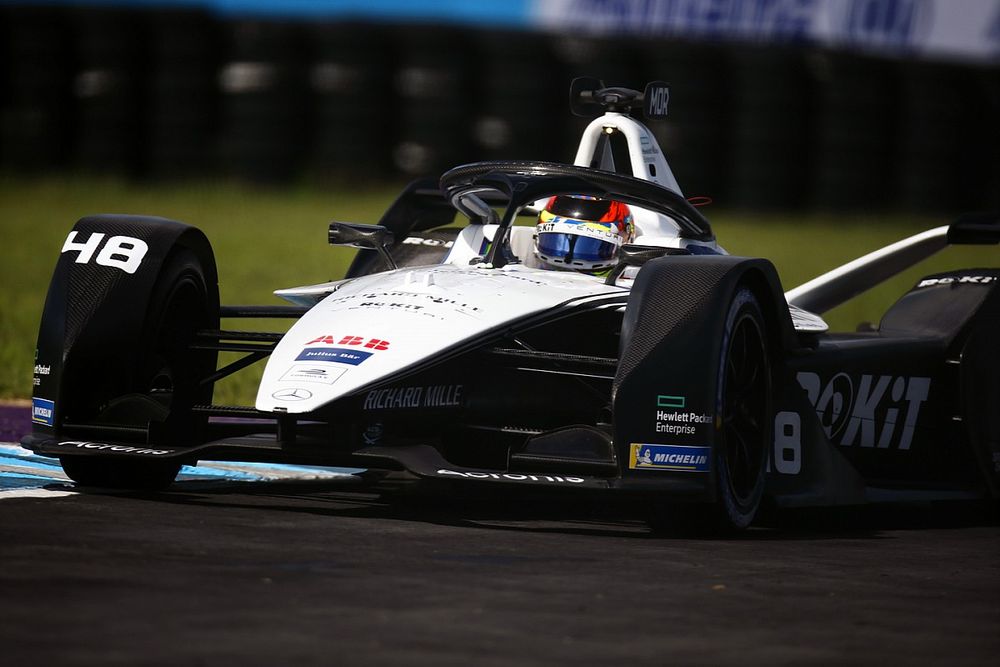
(352, 352)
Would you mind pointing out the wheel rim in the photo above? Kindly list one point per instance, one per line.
(744, 408)
(185, 305)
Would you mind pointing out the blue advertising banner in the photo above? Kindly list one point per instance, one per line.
(934, 29)
(941, 29)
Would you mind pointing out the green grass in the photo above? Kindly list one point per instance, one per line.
(263, 239)
(269, 238)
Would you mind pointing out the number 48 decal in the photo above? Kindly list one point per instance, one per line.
(120, 252)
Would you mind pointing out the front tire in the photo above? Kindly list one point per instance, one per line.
(120, 474)
(744, 408)
(166, 379)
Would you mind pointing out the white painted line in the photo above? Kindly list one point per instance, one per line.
(26, 474)
(35, 493)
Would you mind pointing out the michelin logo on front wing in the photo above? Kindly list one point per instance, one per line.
(677, 458)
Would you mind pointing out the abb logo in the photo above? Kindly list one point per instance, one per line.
(371, 343)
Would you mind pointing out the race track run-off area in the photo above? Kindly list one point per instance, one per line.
(266, 565)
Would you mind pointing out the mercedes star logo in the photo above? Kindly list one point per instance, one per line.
(294, 394)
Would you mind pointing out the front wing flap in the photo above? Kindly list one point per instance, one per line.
(421, 460)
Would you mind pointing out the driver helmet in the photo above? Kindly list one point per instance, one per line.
(582, 233)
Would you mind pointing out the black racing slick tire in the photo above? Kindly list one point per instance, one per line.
(112, 474)
(165, 383)
(739, 457)
(744, 407)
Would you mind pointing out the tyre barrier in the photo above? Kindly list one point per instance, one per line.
(265, 115)
(696, 137)
(771, 160)
(36, 112)
(856, 133)
(432, 87)
(349, 76)
(182, 93)
(109, 90)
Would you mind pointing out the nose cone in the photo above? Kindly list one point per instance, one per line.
(380, 325)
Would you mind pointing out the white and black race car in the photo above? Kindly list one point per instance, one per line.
(684, 376)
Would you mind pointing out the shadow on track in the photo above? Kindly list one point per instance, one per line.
(558, 512)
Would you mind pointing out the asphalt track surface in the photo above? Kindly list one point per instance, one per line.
(336, 572)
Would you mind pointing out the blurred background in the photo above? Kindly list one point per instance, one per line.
(879, 105)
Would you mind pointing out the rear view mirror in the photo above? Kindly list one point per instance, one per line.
(367, 237)
(358, 235)
(633, 254)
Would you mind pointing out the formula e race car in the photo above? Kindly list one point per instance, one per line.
(681, 377)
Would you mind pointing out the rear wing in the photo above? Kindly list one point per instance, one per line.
(845, 282)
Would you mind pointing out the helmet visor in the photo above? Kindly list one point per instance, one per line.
(575, 247)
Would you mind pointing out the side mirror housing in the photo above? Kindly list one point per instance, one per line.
(633, 254)
(367, 237)
(357, 235)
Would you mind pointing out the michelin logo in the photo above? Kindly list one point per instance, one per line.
(43, 411)
(669, 457)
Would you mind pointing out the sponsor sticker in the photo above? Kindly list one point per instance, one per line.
(118, 449)
(875, 411)
(292, 394)
(647, 145)
(512, 477)
(372, 434)
(680, 423)
(676, 420)
(43, 411)
(657, 100)
(418, 240)
(665, 401)
(434, 396)
(416, 302)
(309, 373)
(957, 280)
(370, 343)
(678, 458)
(339, 355)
